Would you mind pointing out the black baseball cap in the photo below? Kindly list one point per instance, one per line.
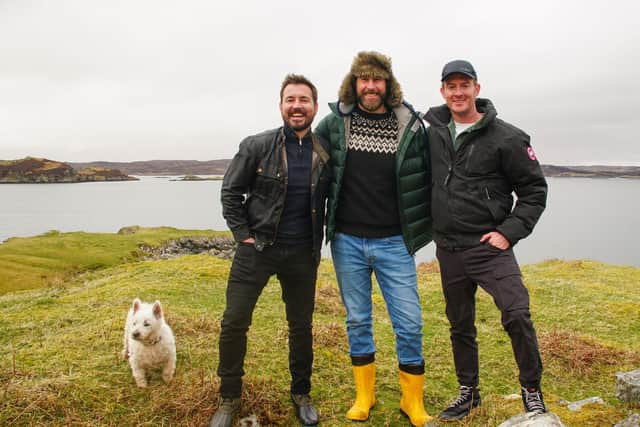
(459, 66)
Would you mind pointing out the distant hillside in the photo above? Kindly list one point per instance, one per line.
(164, 167)
(592, 171)
(33, 170)
(218, 167)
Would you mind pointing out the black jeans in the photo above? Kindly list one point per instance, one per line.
(497, 272)
(296, 270)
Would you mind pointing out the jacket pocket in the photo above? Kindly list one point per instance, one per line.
(498, 204)
(266, 184)
(481, 159)
(505, 266)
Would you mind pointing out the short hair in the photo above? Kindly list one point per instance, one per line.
(302, 80)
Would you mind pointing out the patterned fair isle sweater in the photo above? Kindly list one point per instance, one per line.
(367, 205)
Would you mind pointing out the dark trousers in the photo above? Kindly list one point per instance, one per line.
(250, 271)
(496, 272)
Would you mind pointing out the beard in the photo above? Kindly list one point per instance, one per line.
(371, 105)
(298, 123)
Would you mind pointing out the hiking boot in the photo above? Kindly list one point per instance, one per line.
(228, 410)
(533, 401)
(305, 411)
(468, 398)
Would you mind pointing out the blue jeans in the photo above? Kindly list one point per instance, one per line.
(354, 259)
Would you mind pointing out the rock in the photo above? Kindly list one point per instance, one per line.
(513, 397)
(529, 419)
(250, 421)
(219, 247)
(631, 421)
(132, 229)
(575, 406)
(628, 386)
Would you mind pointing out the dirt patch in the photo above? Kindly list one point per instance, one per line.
(192, 401)
(330, 334)
(576, 265)
(328, 300)
(190, 326)
(428, 267)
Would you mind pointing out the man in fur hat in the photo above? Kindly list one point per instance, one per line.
(377, 218)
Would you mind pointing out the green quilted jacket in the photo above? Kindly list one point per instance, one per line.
(413, 175)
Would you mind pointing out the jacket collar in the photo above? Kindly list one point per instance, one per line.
(291, 135)
(403, 112)
(286, 132)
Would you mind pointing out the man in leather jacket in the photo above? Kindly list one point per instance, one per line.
(273, 198)
(478, 160)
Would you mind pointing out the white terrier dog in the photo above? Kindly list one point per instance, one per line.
(148, 342)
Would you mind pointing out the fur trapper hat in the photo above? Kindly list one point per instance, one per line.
(370, 64)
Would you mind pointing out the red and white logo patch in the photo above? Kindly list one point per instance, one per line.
(531, 154)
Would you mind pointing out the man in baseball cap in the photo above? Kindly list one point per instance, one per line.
(477, 162)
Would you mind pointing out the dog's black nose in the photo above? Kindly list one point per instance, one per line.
(136, 335)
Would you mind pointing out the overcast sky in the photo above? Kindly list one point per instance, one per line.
(84, 80)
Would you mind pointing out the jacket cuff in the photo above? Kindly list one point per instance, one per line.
(240, 234)
(511, 232)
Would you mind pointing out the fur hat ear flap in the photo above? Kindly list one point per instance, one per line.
(136, 304)
(157, 309)
(347, 94)
(394, 93)
(370, 64)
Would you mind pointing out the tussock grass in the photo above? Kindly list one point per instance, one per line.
(579, 355)
(60, 344)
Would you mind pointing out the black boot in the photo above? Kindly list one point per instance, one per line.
(532, 400)
(468, 398)
(305, 411)
(228, 410)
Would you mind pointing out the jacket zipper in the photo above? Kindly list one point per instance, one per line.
(283, 151)
(396, 167)
(315, 164)
(466, 165)
(452, 155)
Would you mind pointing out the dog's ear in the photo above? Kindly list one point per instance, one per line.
(136, 304)
(157, 309)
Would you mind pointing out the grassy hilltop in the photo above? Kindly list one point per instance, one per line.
(60, 339)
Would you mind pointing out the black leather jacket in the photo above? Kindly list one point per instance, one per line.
(255, 186)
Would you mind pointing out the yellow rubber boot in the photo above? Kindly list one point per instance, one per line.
(365, 378)
(412, 404)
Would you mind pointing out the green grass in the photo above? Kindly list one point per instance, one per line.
(59, 345)
(54, 257)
